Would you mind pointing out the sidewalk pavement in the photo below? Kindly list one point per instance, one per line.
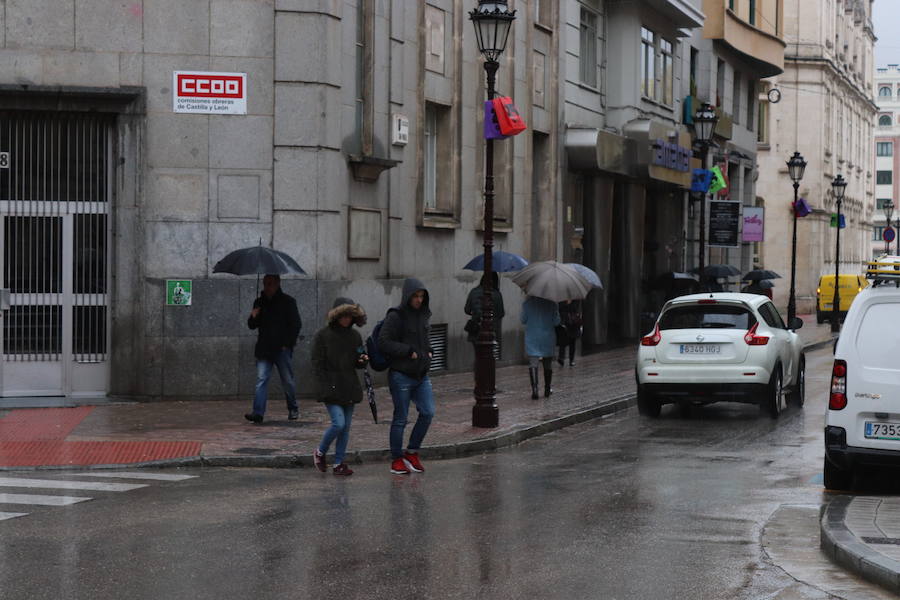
(215, 433)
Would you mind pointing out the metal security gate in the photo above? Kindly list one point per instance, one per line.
(55, 192)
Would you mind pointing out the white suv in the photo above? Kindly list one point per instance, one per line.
(711, 347)
(862, 425)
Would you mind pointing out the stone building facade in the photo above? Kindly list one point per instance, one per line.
(827, 113)
(887, 153)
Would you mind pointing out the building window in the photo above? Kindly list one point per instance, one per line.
(752, 12)
(434, 39)
(588, 57)
(751, 103)
(884, 91)
(884, 148)
(542, 12)
(539, 74)
(879, 203)
(437, 146)
(877, 233)
(884, 177)
(667, 59)
(884, 121)
(648, 63)
(762, 129)
(736, 98)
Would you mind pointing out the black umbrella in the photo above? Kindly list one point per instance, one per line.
(370, 393)
(258, 260)
(765, 284)
(717, 271)
(758, 274)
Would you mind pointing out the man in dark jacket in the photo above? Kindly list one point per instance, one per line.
(275, 315)
(404, 338)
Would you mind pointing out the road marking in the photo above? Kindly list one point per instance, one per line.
(69, 485)
(40, 500)
(5, 515)
(132, 475)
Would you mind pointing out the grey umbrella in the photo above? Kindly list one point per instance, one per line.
(258, 260)
(589, 274)
(552, 281)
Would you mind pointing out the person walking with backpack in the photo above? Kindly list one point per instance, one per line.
(276, 317)
(540, 317)
(473, 309)
(571, 318)
(403, 338)
(337, 354)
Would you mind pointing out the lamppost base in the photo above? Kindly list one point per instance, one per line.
(485, 415)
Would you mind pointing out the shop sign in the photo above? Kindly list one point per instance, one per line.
(178, 292)
(724, 223)
(671, 156)
(754, 224)
(202, 92)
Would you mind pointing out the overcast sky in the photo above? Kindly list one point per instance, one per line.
(886, 18)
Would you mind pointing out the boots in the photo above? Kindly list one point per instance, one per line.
(548, 377)
(533, 375)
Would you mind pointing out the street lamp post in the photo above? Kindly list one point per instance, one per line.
(492, 20)
(838, 186)
(888, 212)
(705, 120)
(796, 166)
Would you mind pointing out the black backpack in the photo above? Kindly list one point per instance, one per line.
(378, 360)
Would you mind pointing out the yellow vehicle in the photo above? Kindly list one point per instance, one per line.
(851, 285)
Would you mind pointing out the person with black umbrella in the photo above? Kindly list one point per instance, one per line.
(276, 317)
(337, 353)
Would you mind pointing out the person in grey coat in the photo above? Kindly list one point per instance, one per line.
(540, 318)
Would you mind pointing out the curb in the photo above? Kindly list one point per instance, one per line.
(818, 345)
(445, 451)
(845, 549)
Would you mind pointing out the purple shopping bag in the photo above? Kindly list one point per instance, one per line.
(802, 208)
(491, 126)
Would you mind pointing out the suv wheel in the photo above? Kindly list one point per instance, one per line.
(798, 394)
(775, 394)
(647, 406)
(836, 479)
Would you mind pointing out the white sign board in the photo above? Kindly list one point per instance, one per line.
(209, 93)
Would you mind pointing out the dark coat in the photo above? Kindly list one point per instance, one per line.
(570, 317)
(405, 331)
(473, 307)
(278, 323)
(335, 359)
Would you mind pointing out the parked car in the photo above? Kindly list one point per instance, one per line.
(851, 285)
(711, 347)
(862, 424)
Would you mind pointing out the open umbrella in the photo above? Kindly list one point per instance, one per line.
(552, 281)
(589, 274)
(502, 262)
(757, 274)
(717, 271)
(258, 260)
(370, 393)
(765, 284)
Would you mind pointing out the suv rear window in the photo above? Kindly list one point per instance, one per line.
(707, 316)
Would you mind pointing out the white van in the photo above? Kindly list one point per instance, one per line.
(862, 425)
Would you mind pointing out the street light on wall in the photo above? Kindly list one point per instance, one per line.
(838, 187)
(888, 213)
(705, 120)
(796, 166)
(492, 20)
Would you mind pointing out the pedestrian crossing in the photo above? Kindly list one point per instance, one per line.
(73, 482)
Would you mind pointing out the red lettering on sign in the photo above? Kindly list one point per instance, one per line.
(211, 86)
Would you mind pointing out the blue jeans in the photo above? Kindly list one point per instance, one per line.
(285, 371)
(341, 417)
(404, 389)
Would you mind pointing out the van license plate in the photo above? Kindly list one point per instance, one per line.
(828, 305)
(882, 431)
(700, 349)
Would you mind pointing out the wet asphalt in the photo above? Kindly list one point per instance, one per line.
(624, 507)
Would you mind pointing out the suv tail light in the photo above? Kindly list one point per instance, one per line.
(838, 398)
(653, 339)
(755, 340)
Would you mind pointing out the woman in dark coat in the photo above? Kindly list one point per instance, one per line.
(473, 308)
(570, 319)
(337, 354)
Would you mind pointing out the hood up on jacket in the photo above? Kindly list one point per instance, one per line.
(346, 306)
(412, 285)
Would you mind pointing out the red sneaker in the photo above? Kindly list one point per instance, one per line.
(398, 467)
(342, 469)
(319, 460)
(413, 463)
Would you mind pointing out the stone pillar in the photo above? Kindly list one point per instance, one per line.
(598, 219)
(629, 217)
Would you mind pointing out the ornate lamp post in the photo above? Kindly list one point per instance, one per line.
(838, 186)
(888, 212)
(796, 167)
(705, 120)
(492, 20)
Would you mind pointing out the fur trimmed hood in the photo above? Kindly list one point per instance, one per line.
(354, 310)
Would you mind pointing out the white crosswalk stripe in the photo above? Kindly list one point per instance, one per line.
(6, 515)
(69, 485)
(135, 475)
(41, 500)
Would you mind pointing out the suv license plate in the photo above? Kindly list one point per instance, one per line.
(700, 349)
(882, 431)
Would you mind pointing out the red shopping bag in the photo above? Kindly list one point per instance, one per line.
(508, 117)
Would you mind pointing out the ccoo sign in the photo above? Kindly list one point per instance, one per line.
(210, 93)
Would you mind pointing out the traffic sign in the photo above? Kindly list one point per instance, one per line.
(888, 234)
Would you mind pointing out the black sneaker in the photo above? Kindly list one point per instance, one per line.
(293, 415)
(253, 418)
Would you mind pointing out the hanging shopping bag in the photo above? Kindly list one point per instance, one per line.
(491, 126)
(718, 182)
(508, 117)
(802, 208)
(701, 180)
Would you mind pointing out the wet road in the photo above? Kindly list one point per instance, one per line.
(722, 504)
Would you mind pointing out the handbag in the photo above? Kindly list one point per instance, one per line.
(491, 126)
(562, 336)
(472, 326)
(508, 117)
